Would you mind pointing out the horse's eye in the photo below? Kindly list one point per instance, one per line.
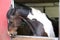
(11, 22)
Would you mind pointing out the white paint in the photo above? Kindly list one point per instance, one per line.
(12, 3)
(41, 17)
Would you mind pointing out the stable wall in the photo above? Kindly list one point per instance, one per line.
(51, 9)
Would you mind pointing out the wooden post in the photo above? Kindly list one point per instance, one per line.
(4, 7)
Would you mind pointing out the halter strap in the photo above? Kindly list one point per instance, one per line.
(28, 23)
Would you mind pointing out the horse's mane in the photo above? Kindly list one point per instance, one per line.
(10, 12)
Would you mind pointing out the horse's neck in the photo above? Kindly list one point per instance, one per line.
(37, 27)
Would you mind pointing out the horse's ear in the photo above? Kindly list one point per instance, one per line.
(10, 12)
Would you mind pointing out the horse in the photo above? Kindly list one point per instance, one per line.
(38, 23)
(15, 24)
(54, 23)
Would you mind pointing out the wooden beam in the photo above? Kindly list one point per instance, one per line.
(36, 1)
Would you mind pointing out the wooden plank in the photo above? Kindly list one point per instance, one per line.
(4, 7)
(36, 1)
(33, 38)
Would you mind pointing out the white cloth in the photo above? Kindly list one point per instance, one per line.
(41, 17)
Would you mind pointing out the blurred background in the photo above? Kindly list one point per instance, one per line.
(50, 7)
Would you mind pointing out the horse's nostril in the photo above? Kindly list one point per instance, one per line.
(11, 34)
